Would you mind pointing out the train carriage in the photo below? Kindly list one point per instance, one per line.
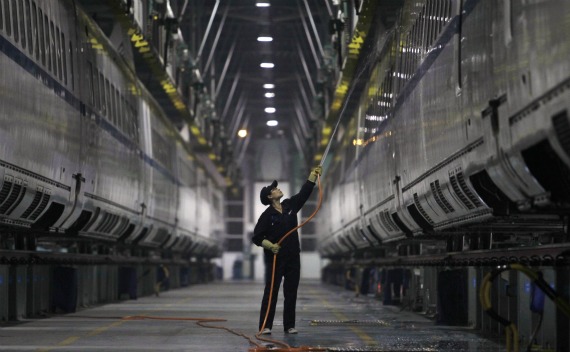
(86, 151)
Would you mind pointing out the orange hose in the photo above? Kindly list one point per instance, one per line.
(258, 335)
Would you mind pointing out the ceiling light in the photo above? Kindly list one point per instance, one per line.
(264, 39)
(267, 65)
(270, 110)
(262, 4)
(269, 86)
(242, 133)
(272, 123)
(269, 95)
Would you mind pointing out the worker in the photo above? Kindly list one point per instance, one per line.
(163, 279)
(278, 219)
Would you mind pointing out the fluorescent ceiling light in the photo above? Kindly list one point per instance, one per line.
(264, 39)
(262, 4)
(267, 65)
(272, 123)
(270, 110)
(242, 133)
(269, 86)
(269, 95)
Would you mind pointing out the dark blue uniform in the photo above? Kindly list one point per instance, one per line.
(273, 225)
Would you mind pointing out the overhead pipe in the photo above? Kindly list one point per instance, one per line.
(231, 94)
(304, 94)
(318, 39)
(298, 112)
(199, 56)
(225, 69)
(240, 110)
(218, 33)
(306, 69)
(309, 38)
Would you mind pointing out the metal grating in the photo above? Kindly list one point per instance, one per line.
(19, 200)
(421, 209)
(42, 206)
(103, 222)
(6, 188)
(467, 191)
(562, 128)
(440, 198)
(459, 193)
(14, 197)
(353, 322)
(384, 222)
(35, 202)
(389, 220)
(121, 228)
(113, 219)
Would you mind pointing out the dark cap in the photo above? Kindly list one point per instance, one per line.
(265, 192)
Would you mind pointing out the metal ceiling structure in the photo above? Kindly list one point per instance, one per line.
(223, 37)
(201, 60)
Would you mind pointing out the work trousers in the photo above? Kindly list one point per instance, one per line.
(289, 268)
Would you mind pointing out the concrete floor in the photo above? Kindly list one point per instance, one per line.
(376, 327)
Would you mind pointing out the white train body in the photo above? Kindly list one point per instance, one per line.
(462, 127)
(84, 148)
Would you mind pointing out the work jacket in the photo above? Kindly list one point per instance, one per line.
(273, 225)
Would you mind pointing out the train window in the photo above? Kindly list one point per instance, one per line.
(113, 101)
(134, 125)
(58, 52)
(430, 21)
(124, 116)
(64, 58)
(102, 105)
(117, 108)
(110, 102)
(96, 89)
(116, 105)
(108, 99)
(40, 37)
(90, 83)
(55, 66)
(438, 19)
(7, 17)
(46, 42)
(34, 31)
(22, 22)
(71, 64)
(15, 21)
(29, 27)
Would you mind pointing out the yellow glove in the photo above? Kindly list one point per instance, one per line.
(315, 173)
(270, 246)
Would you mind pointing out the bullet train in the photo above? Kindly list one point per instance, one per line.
(85, 151)
(461, 133)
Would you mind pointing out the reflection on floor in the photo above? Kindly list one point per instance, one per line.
(327, 316)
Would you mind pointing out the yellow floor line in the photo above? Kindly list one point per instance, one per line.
(66, 342)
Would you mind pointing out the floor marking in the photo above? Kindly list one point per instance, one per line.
(101, 329)
(105, 328)
(72, 339)
(67, 341)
